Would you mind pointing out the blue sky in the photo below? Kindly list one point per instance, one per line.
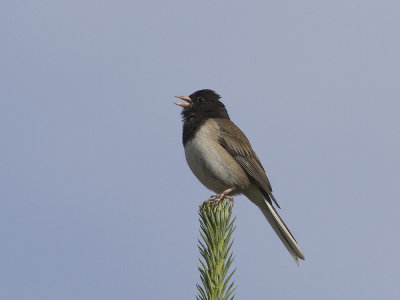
(97, 201)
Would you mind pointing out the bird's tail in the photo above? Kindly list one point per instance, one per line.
(282, 230)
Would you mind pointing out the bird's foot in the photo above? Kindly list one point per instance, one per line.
(222, 196)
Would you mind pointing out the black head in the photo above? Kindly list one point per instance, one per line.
(204, 103)
(200, 106)
(204, 96)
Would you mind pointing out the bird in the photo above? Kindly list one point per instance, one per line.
(221, 157)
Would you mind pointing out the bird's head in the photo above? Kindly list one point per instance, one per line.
(203, 103)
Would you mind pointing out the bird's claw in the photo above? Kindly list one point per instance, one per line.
(220, 197)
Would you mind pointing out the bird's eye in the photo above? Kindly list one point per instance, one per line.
(201, 99)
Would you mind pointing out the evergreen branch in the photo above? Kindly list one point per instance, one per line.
(216, 229)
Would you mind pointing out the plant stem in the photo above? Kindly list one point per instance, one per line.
(215, 248)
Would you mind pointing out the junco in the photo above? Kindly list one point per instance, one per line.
(221, 157)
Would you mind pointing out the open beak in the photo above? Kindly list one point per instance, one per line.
(184, 104)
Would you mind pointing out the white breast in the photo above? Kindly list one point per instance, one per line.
(211, 163)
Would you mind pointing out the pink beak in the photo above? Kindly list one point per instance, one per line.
(184, 104)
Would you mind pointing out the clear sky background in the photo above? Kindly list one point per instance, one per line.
(96, 199)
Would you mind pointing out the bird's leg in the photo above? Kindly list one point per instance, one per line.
(223, 195)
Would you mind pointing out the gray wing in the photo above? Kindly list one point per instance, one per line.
(237, 144)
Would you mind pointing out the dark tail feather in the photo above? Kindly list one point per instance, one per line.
(282, 231)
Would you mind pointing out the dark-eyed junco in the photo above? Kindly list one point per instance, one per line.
(221, 157)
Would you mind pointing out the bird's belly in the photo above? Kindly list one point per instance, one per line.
(214, 166)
